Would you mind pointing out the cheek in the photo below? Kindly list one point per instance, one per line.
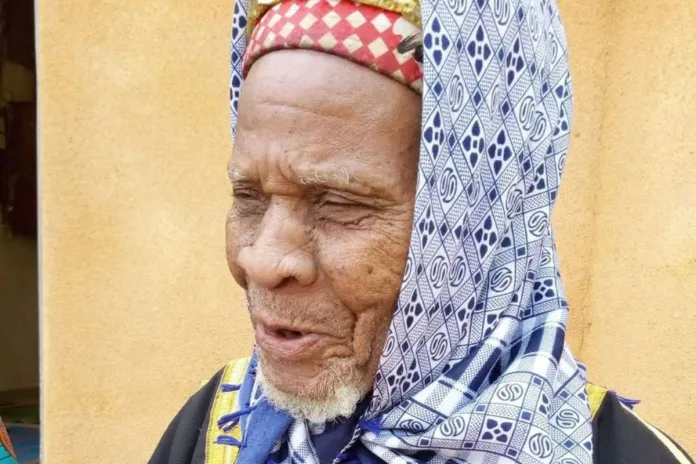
(365, 267)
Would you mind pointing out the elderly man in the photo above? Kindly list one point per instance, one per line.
(394, 172)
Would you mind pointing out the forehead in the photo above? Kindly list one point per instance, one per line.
(305, 113)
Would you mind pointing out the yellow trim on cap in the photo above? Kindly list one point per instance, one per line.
(225, 403)
(409, 9)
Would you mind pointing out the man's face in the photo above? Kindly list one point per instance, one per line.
(324, 177)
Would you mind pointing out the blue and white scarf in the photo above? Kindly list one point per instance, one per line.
(475, 368)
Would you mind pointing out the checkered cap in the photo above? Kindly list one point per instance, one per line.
(361, 33)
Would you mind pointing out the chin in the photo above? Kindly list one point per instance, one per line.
(332, 393)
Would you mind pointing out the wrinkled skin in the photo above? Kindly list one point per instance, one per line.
(324, 177)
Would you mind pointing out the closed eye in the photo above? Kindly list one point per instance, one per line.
(337, 208)
(243, 195)
(248, 201)
(246, 191)
(336, 200)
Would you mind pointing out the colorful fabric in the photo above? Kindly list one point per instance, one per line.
(361, 33)
(7, 454)
(26, 441)
(619, 435)
(475, 368)
(224, 427)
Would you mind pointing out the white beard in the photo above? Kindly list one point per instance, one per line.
(341, 402)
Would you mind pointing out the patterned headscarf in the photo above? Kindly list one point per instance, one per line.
(475, 368)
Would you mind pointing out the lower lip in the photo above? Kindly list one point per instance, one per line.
(288, 349)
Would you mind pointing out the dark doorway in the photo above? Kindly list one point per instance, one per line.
(19, 341)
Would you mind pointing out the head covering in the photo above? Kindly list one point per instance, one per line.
(475, 368)
(365, 34)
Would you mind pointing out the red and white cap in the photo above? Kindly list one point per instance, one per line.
(379, 39)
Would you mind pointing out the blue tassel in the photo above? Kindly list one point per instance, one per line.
(226, 428)
(228, 440)
(628, 402)
(228, 421)
(372, 425)
(229, 387)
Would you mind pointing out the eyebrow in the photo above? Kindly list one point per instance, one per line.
(339, 179)
(314, 178)
(319, 177)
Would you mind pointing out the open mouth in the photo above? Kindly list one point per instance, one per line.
(286, 334)
(284, 342)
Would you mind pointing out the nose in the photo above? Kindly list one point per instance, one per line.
(281, 252)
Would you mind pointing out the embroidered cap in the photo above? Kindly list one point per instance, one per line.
(380, 39)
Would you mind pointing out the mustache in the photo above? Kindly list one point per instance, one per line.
(302, 310)
(262, 301)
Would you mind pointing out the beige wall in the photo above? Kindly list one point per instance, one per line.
(574, 218)
(641, 308)
(137, 303)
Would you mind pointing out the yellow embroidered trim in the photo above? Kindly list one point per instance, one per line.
(595, 396)
(676, 452)
(225, 403)
(257, 8)
(409, 9)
